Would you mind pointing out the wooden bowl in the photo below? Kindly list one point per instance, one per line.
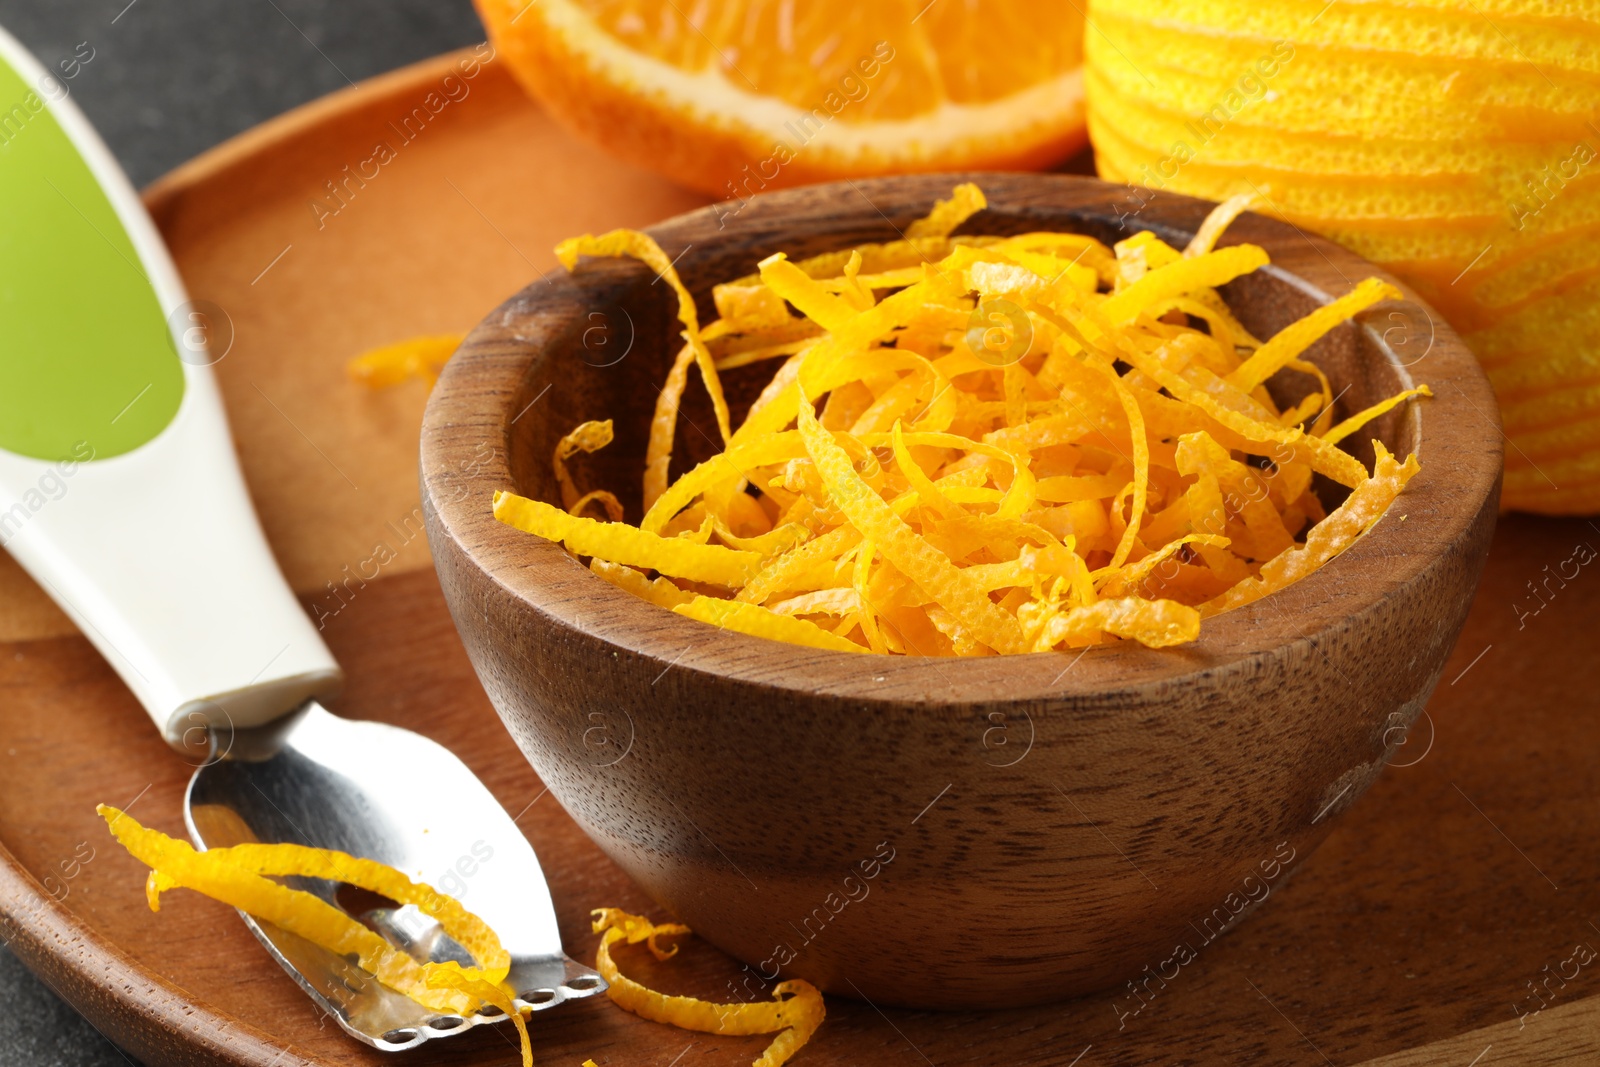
(944, 833)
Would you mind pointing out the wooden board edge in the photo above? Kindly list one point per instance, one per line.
(130, 1005)
(1566, 1034)
(161, 195)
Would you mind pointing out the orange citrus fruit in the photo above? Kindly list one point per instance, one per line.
(745, 95)
(1456, 142)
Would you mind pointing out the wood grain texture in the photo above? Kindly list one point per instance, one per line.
(765, 781)
(1421, 918)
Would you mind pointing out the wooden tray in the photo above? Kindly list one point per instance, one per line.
(1465, 875)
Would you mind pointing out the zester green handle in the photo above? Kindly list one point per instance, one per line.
(85, 353)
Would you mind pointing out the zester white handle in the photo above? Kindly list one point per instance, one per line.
(159, 559)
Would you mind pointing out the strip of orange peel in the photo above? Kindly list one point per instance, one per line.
(415, 357)
(585, 437)
(759, 622)
(793, 1014)
(965, 201)
(642, 247)
(621, 543)
(1361, 510)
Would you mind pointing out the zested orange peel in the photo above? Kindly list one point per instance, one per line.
(981, 445)
(1453, 142)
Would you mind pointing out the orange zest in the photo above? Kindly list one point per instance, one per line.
(417, 357)
(587, 437)
(985, 445)
(793, 1014)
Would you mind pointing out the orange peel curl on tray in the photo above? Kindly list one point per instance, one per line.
(959, 404)
(793, 1014)
(416, 357)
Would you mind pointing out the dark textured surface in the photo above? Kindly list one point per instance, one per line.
(41, 1030)
(169, 79)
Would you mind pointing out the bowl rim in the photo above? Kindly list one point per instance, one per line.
(1454, 494)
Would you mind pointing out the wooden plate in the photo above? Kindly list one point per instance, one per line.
(1461, 885)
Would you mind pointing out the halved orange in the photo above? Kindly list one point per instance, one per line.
(738, 96)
